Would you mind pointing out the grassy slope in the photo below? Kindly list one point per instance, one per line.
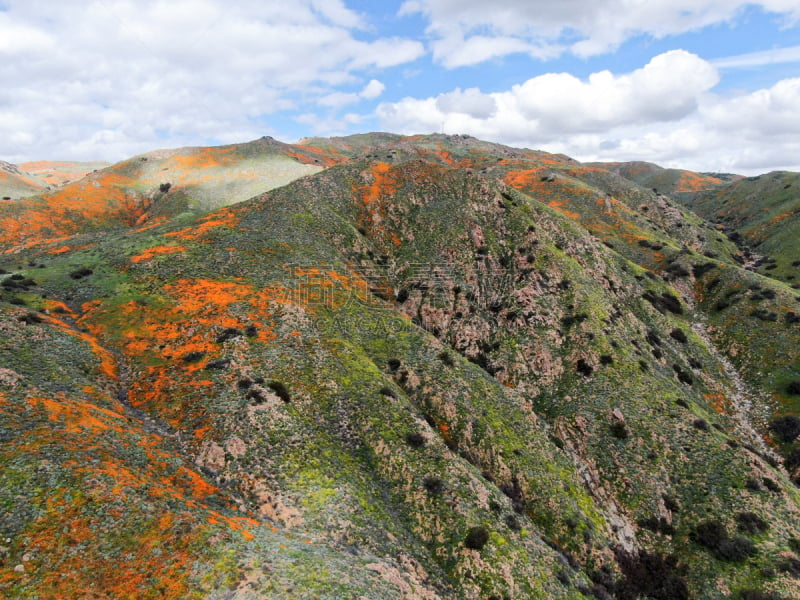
(317, 286)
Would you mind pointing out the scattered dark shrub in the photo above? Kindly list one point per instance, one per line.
(682, 402)
(394, 364)
(683, 376)
(228, 334)
(700, 424)
(793, 388)
(702, 269)
(433, 485)
(792, 317)
(770, 484)
(753, 484)
(735, 549)
(477, 537)
(750, 523)
(513, 491)
(709, 534)
(650, 575)
(584, 368)
(606, 359)
(388, 392)
(790, 565)
(657, 525)
(402, 295)
(220, 363)
(244, 383)
(763, 315)
(415, 439)
(678, 335)
(19, 302)
(31, 318)
(670, 503)
(513, 523)
(445, 357)
(81, 273)
(192, 357)
(643, 366)
(695, 364)
(786, 428)
(164, 187)
(251, 331)
(280, 391)
(256, 395)
(619, 430)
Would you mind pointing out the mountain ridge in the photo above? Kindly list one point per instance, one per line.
(436, 368)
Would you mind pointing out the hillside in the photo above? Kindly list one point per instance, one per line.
(392, 367)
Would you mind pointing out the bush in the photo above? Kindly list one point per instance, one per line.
(415, 439)
(735, 549)
(793, 388)
(650, 575)
(619, 430)
(433, 485)
(606, 359)
(751, 523)
(394, 364)
(192, 357)
(445, 357)
(228, 334)
(477, 537)
(280, 391)
(709, 534)
(584, 368)
(81, 273)
(220, 363)
(388, 392)
(786, 428)
(164, 187)
(700, 424)
(678, 335)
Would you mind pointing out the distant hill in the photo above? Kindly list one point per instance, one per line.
(397, 367)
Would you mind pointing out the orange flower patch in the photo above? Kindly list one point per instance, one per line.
(221, 218)
(77, 416)
(157, 251)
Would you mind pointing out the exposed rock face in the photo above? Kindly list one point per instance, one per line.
(437, 369)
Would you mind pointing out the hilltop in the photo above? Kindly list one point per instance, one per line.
(382, 366)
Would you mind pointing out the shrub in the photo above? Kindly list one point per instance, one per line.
(709, 534)
(752, 484)
(220, 363)
(280, 391)
(735, 549)
(164, 187)
(81, 273)
(657, 525)
(228, 334)
(433, 485)
(584, 368)
(770, 484)
(758, 595)
(31, 318)
(700, 424)
(445, 357)
(751, 523)
(388, 392)
(683, 376)
(793, 388)
(619, 430)
(251, 331)
(394, 364)
(786, 428)
(678, 335)
(650, 575)
(415, 439)
(513, 523)
(192, 357)
(477, 537)
(606, 359)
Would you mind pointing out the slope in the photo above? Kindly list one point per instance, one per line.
(500, 406)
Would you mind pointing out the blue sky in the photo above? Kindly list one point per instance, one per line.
(709, 85)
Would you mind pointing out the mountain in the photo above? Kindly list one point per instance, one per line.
(392, 367)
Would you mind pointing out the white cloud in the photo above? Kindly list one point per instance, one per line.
(664, 112)
(372, 90)
(759, 59)
(471, 31)
(131, 75)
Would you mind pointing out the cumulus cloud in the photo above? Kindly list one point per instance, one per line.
(465, 31)
(665, 112)
(112, 78)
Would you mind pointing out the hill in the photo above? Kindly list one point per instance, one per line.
(413, 367)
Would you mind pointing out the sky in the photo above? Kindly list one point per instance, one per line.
(706, 85)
